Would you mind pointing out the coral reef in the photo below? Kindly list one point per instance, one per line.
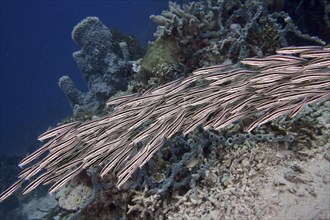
(224, 176)
(188, 159)
(230, 185)
(109, 203)
(212, 98)
(105, 61)
(206, 143)
(160, 64)
(213, 30)
(204, 33)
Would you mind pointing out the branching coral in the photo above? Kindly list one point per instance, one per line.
(212, 31)
(204, 33)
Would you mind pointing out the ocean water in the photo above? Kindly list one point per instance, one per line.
(36, 49)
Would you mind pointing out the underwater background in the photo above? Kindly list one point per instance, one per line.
(204, 173)
(36, 50)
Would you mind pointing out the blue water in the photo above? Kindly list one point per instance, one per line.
(36, 49)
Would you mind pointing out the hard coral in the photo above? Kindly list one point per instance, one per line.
(209, 32)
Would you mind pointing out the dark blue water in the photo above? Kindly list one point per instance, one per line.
(36, 49)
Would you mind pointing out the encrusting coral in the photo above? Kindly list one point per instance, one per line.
(211, 98)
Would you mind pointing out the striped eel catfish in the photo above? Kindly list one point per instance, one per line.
(210, 98)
